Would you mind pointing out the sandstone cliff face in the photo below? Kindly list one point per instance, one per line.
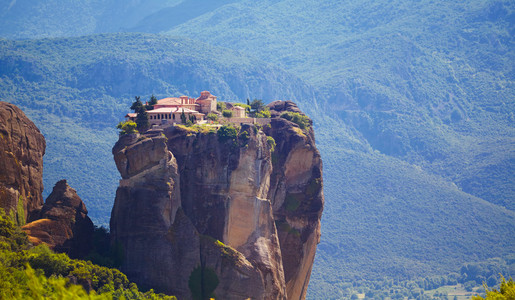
(22, 147)
(62, 223)
(198, 215)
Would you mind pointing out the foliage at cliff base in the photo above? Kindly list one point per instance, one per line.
(28, 272)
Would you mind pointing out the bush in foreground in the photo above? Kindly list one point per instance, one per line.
(506, 292)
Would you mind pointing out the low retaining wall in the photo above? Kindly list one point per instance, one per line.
(261, 121)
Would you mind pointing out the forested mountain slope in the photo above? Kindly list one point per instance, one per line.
(423, 81)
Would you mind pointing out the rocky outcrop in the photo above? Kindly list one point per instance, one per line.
(22, 147)
(62, 223)
(297, 196)
(201, 213)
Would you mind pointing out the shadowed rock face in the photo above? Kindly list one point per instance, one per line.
(198, 214)
(22, 147)
(62, 223)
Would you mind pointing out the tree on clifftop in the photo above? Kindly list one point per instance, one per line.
(257, 105)
(127, 127)
(227, 113)
(142, 119)
(137, 104)
(151, 103)
(183, 117)
(259, 109)
(153, 100)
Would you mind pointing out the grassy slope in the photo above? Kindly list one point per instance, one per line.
(76, 90)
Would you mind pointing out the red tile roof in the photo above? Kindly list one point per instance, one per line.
(169, 101)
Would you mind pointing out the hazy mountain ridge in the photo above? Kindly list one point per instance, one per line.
(23, 19)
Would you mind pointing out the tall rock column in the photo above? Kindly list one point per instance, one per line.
(224, 188)
(62, 222)
(206, 211)
(22, 147)
(297, 196)
(146, 222)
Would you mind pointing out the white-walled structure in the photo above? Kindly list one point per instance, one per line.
(169, 110)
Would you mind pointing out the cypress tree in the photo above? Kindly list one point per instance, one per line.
(183, 117)
(136, 105)
(153, 100)
(142, 120)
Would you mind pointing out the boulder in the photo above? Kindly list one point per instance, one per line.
(62, 223)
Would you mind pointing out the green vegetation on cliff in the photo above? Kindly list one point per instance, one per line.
(227, 133)
(127, 127)
(297, 118)
(202, 283)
